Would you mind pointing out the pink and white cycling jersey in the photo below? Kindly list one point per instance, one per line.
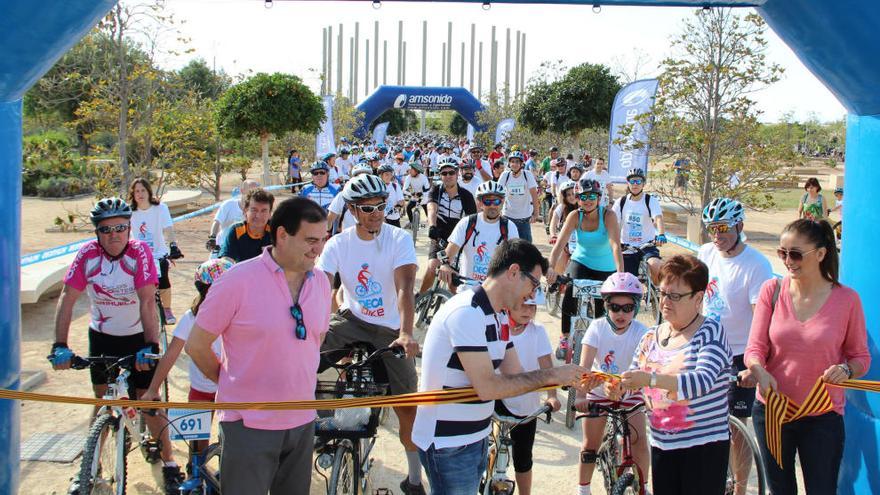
(112, 285)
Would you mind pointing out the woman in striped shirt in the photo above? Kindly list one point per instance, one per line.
(683, 368)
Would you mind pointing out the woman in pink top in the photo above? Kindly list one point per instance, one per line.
(815, 329)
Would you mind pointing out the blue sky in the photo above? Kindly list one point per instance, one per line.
(244, 35)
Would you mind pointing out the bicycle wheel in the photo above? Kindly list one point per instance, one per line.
(342, 477)
(414, 225)
(627, 484)
(570, 413)
(745, 459)
(608, 458)
(210, 469)
(427, 306)
(103, 466)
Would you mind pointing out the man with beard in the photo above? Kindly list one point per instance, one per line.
(468, 180)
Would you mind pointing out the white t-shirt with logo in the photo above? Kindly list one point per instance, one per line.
(530, 345)
(395, 195)
(147, 225)
(614, 352)
(518, 202)
(418, 184)
(345, 165)
(734, 285)
(476, 253)
(635, 226)
(228, 213)
(603, 178)
(366, 269)
(197, 379)
(472, 185)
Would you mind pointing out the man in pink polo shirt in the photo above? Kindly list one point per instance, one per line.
(272, 313)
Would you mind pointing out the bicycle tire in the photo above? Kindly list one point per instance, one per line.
(627, 484)
(570, 412)
(608, 456)
(414, 225)
(209, 474)
(102, 439)
(427, 306)
(757, 481)
(342, 476)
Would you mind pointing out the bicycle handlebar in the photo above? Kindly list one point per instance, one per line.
(397, 352)
(597, 410)
(560, 281)
(81, 363)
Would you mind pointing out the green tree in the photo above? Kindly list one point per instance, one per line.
(198, 77)
(399, 120)
(264, 105)
(458, 126)
(704, 113)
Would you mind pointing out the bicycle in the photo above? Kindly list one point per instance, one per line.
(495, 481)
(428, 303)
(651, 295)
(614, 458)
(344, 438)
(414, 224)
(103, 468)
(756, 477)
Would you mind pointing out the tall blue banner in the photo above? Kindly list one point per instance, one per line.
(379, 133)
(470, 133)
(632, 100)
(505, 127)
(325, 142)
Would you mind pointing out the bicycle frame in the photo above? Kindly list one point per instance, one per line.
(614, 455)
(499, 455)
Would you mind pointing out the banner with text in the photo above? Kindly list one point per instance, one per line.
(325, 142)
(505, 127)
(470, 133)
(379, 132)
(632, 100)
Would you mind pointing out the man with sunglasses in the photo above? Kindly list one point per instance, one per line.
(377, 265)
(736, 273)
(521, 205)
(320, 190)
(271, 314)
(641, 221)
(476, 236)
(447, 204)
(119, 276)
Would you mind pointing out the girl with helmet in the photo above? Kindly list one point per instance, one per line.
(597, 253)
(608, 347)
(395, 194)
(201, 388)
(534, 351)
(417, 186)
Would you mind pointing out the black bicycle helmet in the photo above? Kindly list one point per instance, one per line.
(589, 186)
(109, 208)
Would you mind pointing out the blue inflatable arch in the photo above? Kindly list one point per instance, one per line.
(419, 98)
(836, 40)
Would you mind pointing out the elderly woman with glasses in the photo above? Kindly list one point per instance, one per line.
(597, 254)
(806, 326)
(682, 367)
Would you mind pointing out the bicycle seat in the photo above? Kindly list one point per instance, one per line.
(582, 287)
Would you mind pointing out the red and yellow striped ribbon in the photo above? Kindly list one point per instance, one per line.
(780, 409)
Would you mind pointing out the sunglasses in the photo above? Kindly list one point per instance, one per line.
(618, 308)
(673, 296)
(588, 196)
(792, 254)
(318, 173)
(718, 228)
(448, 173)
(636, 182)
(371, 208)
(492, 201)
(297, 313)
(106, 229)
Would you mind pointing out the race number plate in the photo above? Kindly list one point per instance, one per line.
(188, 424)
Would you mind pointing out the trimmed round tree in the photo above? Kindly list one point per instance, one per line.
(268, 104)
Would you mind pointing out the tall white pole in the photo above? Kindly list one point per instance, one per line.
(357, 49)
(329, 59)
(480, 74)
(339, 62)
(473, 39)
(443, 67)
(522, 66)
(323, 61)
(493, 50)
(462, 65)
(376, 55)
(507, 71)
(351, 95)
(449, 55)
(424, 52)
(403, 66)
(384, 62)
(367, 69)
(399, 51)
(516, 72)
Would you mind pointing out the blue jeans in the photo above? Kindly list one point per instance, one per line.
(523, 227)
(455, 470)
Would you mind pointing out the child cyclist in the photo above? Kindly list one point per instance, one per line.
(534, 352)
(613, 340)
(201, 388)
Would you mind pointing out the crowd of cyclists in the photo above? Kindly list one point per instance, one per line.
(291, 283)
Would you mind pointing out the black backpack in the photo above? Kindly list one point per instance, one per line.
(472, 227)
(647, 204)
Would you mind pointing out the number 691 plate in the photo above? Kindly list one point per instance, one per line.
(189, 424)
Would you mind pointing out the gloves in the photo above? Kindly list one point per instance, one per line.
(60, 355)
(660, 239)
(211, 245)
(433, 233)
(175, 252)
(553, 240)
(141, 356)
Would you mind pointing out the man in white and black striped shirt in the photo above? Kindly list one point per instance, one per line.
(467, 345)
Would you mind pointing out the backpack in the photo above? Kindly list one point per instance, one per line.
(509, 173)
(472, 227)
(647, 204)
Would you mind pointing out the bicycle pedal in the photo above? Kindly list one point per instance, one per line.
(152, 450)
(382, 491)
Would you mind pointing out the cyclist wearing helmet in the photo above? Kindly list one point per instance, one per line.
(557, 175)
(320, 190)
(576, 172)
(417, 185)
(566, 203)
(521, 204)
(400, 167)
(476, 236)
(530, 165)
(608, 347)
(119, 277)
(549, 160)
(395, 194)
(447, 204)
(377, 265)
(467, 179)
(736, 273)
(641, 221)
(600, 173)
(334, 175)
(246, 240)
(597, 254)
(344, 162)
(483, 166)
(338, 217)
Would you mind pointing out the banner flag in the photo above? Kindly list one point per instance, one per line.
(505, 127)
(379, 133)
(325, 142)
(632, 100)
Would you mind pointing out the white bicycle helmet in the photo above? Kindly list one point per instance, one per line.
(566, 185)
(361, 168)
(726, 210)
(364, 186)
(635, 172)
(448, 161)
(490, 187)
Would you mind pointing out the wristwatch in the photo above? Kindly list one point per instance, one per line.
(847, 369)
(653, 382)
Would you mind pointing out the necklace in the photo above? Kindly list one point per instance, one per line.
(669, 335)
